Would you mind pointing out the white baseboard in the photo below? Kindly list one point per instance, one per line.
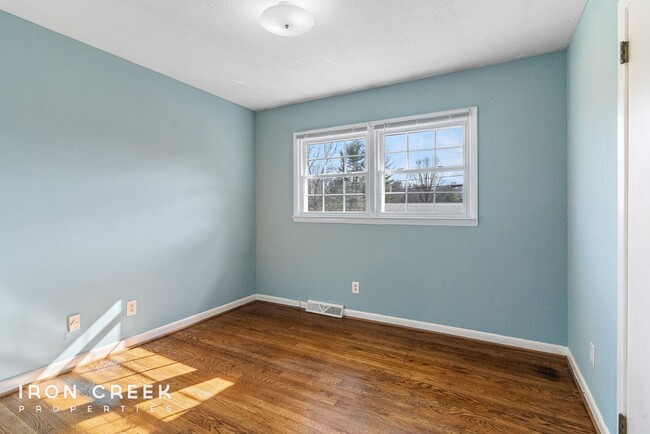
(422, 325)
(457, 331)
(280, 300)
(61, 366)
(584, 388)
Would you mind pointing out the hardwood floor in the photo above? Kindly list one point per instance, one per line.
(266, 368)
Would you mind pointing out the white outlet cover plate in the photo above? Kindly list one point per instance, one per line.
(131, 307)
(74, 322)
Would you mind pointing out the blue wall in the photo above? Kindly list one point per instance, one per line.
(592, 199)
(116, 183)
(506, 276)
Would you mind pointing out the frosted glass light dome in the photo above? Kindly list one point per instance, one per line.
(285, 19)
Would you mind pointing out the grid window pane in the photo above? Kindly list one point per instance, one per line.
(315, 186)
(424, 181)
(395, 198)
(336, 157)
(355, 184)
(355, 164)
(334, 203)
(356, 203)
(334, 165)
(315, 167)
(420, 197)
(315, 151)
(315, 203)
(395, 143)
(421, 140)
(421, 159)
(449, 157)
(447, 183)
(395, 183)
(333, 185)
(334, 149)
(396, 161)
(449, 137)
(426, 149)
(355, 147)
(449, 197)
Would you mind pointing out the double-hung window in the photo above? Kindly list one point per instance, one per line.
(412, 170)
(335, 173)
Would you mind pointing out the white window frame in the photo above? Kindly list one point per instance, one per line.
(373, 132)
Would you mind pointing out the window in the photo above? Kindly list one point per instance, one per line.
(413, 170)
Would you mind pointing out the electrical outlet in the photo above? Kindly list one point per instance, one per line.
(74, 322)
(131, 307)
(355, 287)
(592, 355)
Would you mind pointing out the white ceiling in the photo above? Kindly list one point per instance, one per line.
(220, 47)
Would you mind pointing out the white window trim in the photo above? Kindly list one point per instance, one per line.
(374, 170)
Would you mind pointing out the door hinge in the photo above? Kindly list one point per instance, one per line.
(622, 424)
(625, 52)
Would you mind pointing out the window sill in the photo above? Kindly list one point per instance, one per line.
(416, 221)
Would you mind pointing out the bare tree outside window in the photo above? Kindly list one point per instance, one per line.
(419, 170)
(339, 192)
(422, 187)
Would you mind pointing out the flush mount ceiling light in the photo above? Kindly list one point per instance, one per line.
(285, 19)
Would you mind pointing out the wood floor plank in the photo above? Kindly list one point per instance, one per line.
(265, 368)
(10, 423)
(480, 390)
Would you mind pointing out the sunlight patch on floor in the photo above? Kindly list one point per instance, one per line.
(112, 423)
(147, 369)
(66, 402)
(185, 399)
